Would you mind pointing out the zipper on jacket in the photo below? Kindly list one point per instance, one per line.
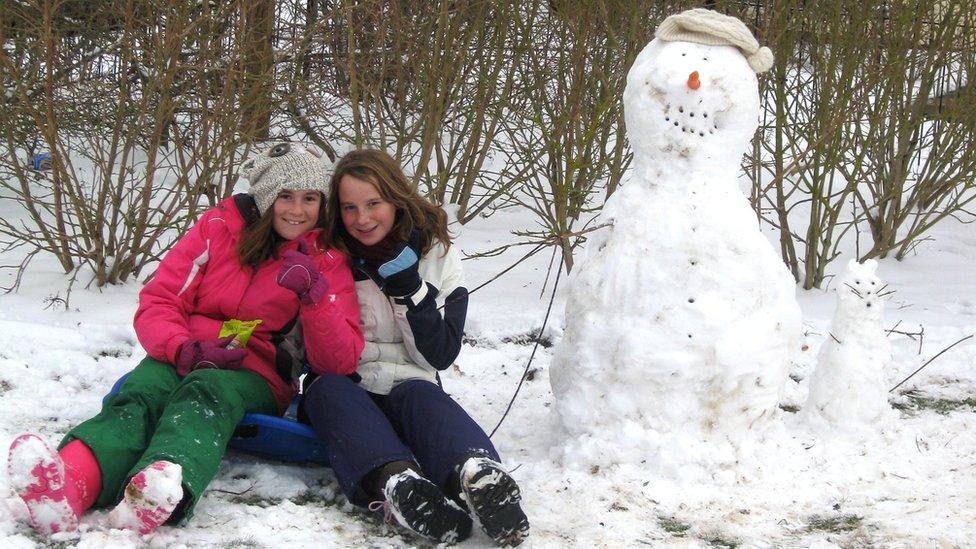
(250, 283)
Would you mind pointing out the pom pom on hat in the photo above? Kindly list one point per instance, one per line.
(712, 28)
(285, 166)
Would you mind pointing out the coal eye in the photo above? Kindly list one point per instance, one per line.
(280, 149)
(858, 282)
(872, 283)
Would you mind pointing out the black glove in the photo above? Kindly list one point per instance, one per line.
(399, 272)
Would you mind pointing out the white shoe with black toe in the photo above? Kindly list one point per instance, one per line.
(419, 505)
(495, 499)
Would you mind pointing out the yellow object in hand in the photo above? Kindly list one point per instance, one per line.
(240, 329)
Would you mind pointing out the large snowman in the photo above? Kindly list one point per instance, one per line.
(681, 318)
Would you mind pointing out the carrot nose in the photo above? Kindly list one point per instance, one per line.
(693, 81)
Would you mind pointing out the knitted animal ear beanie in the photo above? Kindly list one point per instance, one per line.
(285, 166)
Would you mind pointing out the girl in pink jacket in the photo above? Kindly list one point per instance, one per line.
(221, 321)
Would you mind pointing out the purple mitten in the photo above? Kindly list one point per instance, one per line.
(214, 353)
(299, 274)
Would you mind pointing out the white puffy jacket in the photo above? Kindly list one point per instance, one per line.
(416, 338)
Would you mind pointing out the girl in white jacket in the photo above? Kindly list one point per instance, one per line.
(396, 440)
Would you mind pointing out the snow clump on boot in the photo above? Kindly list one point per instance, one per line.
(36, 474)
(150, 498)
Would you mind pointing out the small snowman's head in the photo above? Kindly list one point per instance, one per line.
(692, 92)
(860, 291)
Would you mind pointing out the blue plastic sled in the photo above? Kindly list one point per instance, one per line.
(279, 438)
(42, 162)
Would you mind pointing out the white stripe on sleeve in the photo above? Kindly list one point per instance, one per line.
(198, 262)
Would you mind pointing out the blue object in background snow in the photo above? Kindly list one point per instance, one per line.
(278, 438)
(41, 161)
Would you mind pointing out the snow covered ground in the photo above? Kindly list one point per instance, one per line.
(912, 487)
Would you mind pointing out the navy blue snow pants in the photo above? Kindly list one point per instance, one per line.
(417, 422)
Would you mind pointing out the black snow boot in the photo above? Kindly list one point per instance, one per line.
(419, 505)
(493, 496)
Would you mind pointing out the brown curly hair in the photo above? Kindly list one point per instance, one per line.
(413, 212)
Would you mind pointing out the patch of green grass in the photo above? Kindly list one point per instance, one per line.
(834, 523)
(47, 543)
(673, 526)
(254, 499)
(791, 408)
(309, 497)
(112, 353)
(242, 543)
(718, 541)
(376, 527)
(5, 386)
(528, 339)
(920, 401)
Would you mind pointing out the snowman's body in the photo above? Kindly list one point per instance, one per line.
(681, 317)
(847, 389)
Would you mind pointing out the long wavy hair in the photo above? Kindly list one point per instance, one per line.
(259, 241)
(413, 212)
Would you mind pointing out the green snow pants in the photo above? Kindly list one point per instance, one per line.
(156, 415)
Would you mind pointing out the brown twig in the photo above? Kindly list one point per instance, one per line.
(910, 335)
(233, 493)
(535, 347)
(929, 361)
(497, 276)
(540, 239)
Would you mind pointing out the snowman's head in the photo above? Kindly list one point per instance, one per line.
(690, 100)
(860, 292)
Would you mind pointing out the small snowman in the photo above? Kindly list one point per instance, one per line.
(681, 317)
(847, 389)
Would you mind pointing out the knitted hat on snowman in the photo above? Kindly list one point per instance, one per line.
(285, 166)
(712, 28)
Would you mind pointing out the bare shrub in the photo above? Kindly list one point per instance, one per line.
(565, 132)
(846, 138)
(140, 129)
(919, 162)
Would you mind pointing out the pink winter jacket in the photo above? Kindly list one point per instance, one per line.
(201, 283)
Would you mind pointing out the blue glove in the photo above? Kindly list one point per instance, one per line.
(399, 271)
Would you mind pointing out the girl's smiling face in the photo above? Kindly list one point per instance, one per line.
(295, 212)
(367, 217)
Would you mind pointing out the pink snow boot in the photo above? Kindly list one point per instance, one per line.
(37, 475)
(150, 498)
(83, 475)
